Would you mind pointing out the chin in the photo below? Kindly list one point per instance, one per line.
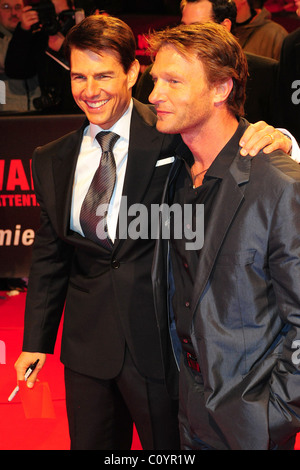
(164, 129)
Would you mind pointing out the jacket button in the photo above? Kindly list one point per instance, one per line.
(115, 263)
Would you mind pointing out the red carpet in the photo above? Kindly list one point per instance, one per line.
(16, 431)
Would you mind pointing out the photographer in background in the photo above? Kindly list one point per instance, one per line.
(18, 93)
(36, 49)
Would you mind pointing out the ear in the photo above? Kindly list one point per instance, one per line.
(133, 73)
(222, 91)
(227, 24)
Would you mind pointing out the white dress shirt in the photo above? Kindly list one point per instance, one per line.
(87, 164)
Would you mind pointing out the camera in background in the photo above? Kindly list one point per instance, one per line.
(52, 23)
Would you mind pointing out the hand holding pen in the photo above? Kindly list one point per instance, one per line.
(29, 371)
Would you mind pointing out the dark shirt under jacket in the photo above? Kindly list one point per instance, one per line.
(185, 262)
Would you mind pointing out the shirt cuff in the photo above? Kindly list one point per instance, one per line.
(295, 150)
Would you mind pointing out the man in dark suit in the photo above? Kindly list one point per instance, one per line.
(234, 296)
(261, 82)
(110, 346)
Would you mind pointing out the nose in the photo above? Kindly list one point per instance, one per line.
(15, 10)
(154, 95)
(92, 88)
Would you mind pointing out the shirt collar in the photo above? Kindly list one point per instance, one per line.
(5, 31)
(223, 160)
(121, 127)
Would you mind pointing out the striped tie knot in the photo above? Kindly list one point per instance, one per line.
(107, 140)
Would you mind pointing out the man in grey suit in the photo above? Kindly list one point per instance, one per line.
(235, 298)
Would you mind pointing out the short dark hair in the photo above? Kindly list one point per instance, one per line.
(222, 9)
(218, 50)
(98, 33)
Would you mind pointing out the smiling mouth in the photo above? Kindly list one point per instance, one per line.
(96, 104)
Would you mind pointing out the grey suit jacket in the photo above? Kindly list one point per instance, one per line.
(246, 302)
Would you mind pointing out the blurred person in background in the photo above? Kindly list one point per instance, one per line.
(18, 93)
(256, 31)
(36, 48)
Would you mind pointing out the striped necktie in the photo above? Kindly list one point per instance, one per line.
(94, 208)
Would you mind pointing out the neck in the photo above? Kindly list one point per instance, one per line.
(206, 143)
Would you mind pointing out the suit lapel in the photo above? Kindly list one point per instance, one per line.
(220, 221)
(64, 165)
(141, 158)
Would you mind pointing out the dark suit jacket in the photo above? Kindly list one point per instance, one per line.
(260, 88)
(246, 302)
(108, 297)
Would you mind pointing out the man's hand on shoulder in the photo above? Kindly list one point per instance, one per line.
(260, 136)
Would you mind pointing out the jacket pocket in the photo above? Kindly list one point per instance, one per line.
(80, 288)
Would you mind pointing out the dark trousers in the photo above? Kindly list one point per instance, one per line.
(101, 412)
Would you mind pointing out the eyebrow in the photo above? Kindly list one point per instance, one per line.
(167, 74)
(103, 72)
